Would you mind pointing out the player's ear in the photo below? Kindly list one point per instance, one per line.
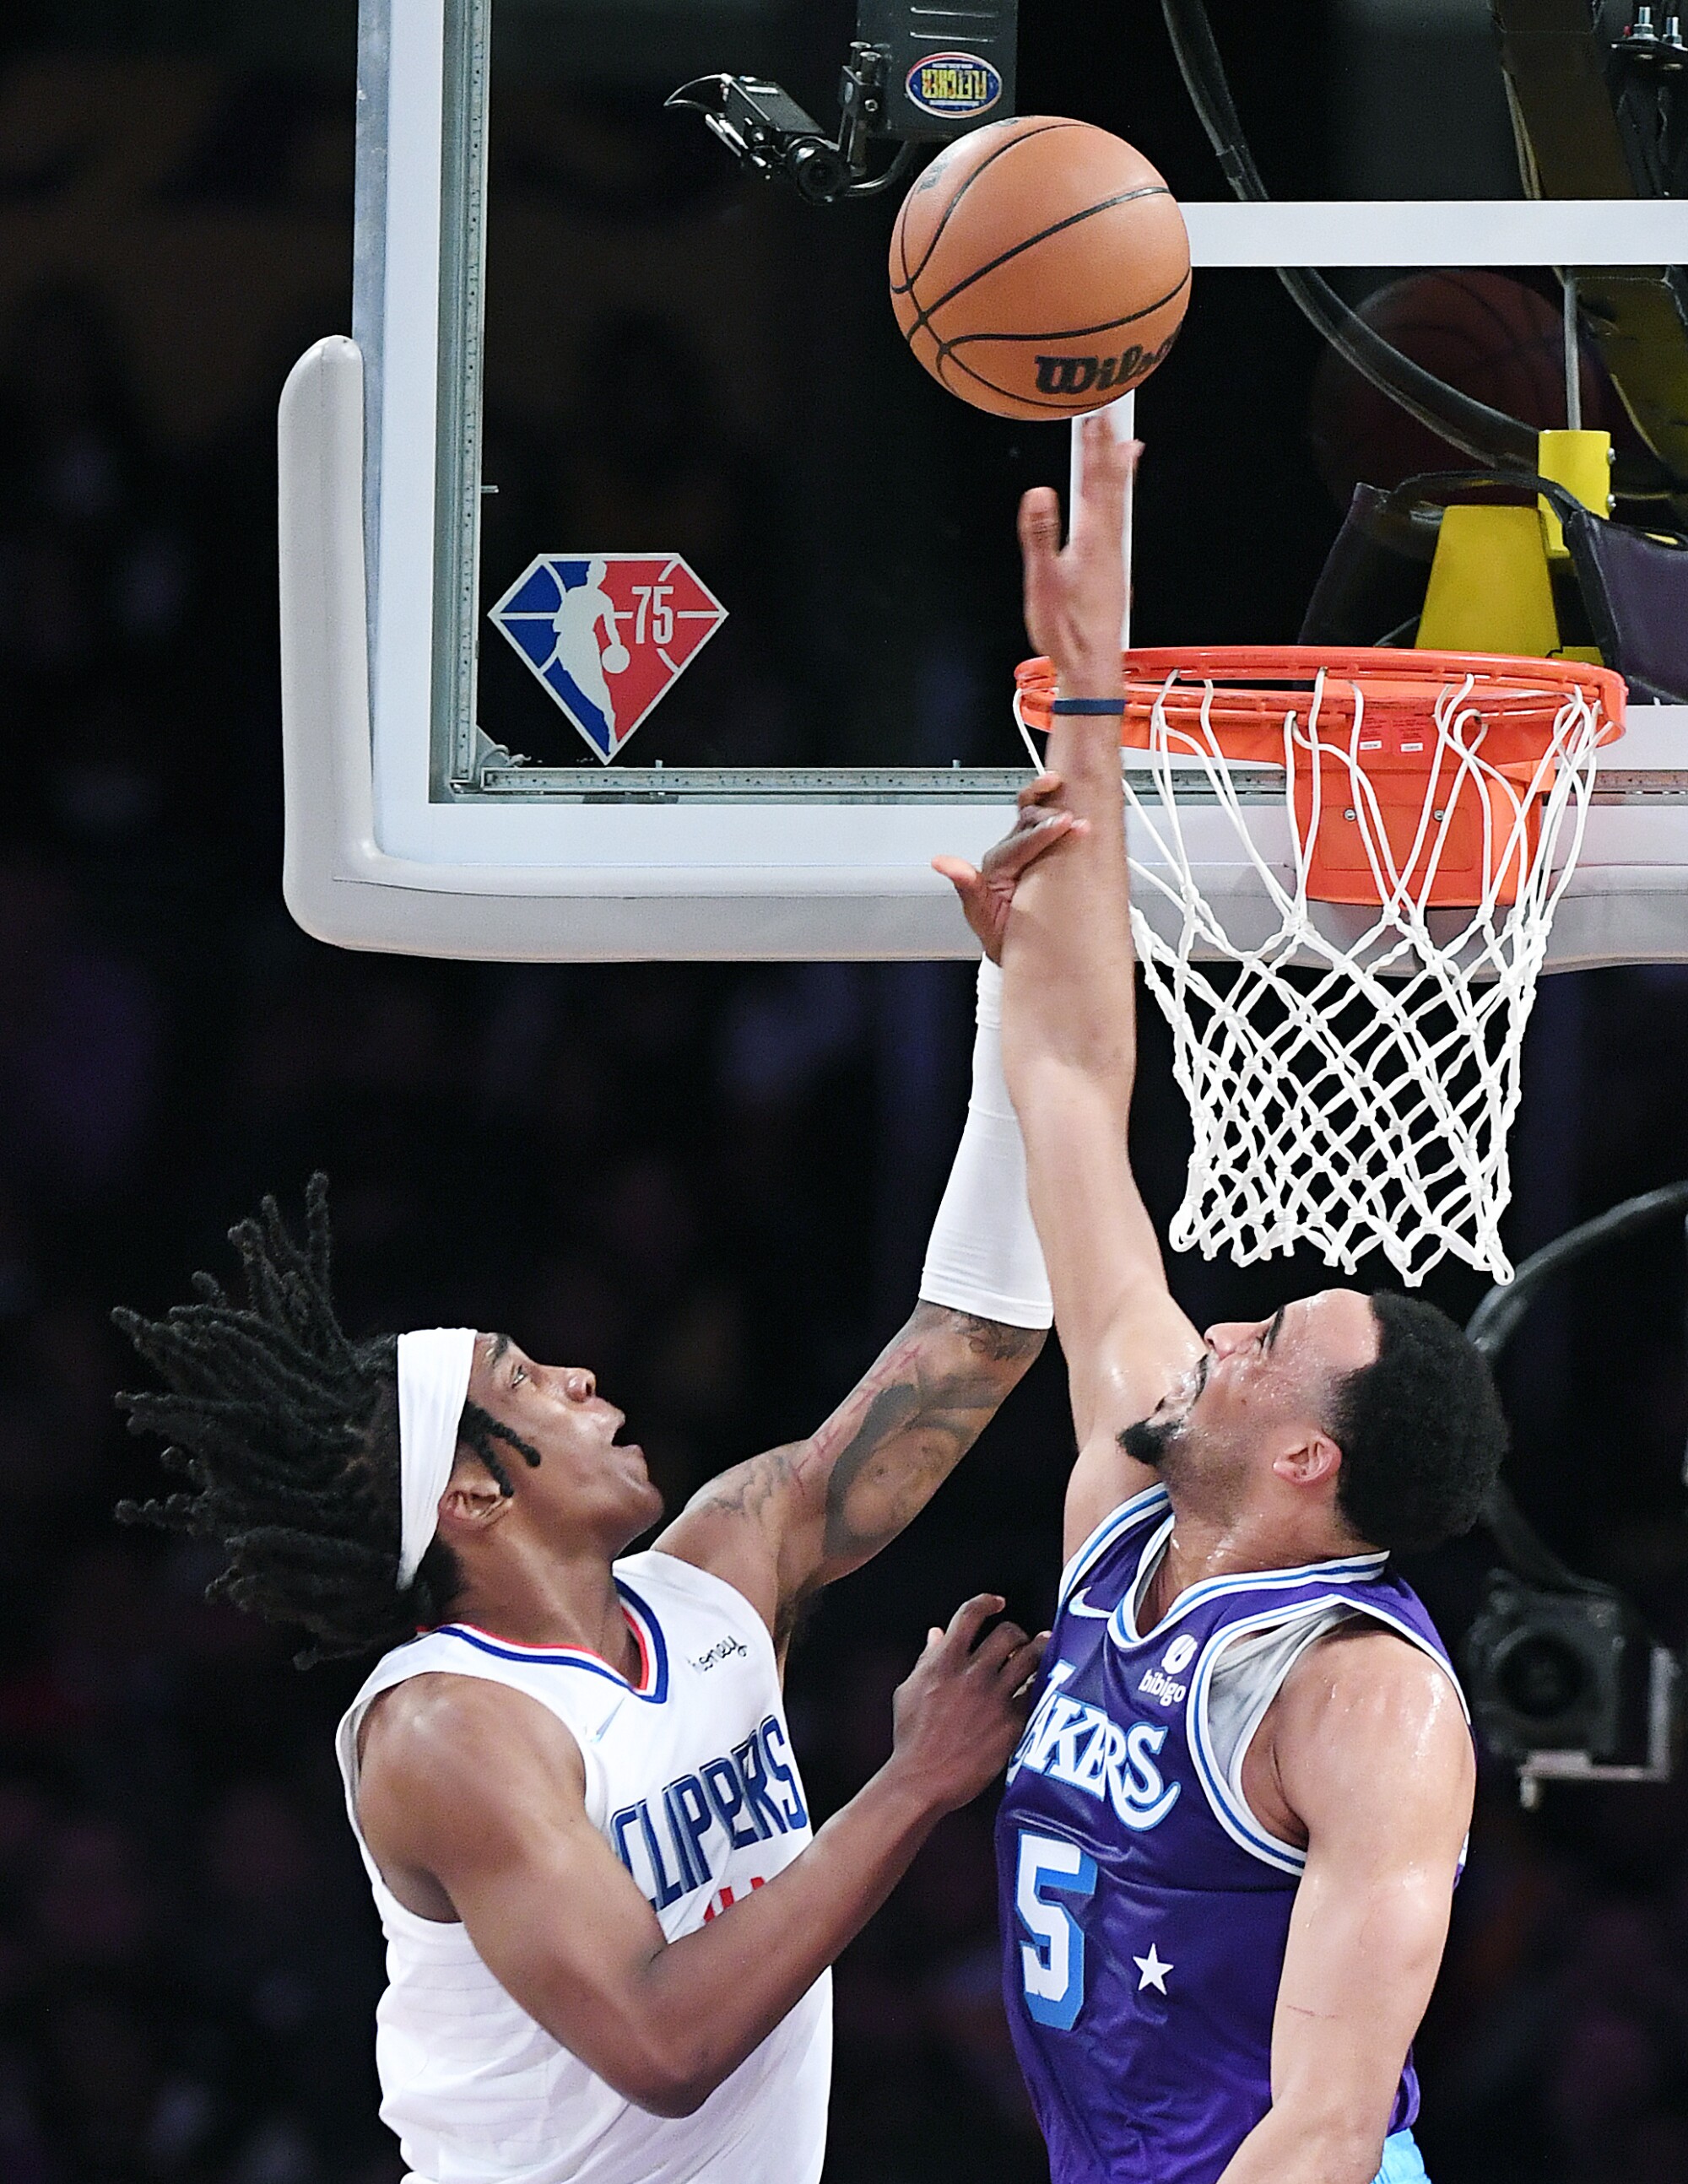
(1311, 1459)
(472, 1502)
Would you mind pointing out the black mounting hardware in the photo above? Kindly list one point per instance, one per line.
(1644, 45)
(1565, 1681)
(916, 74)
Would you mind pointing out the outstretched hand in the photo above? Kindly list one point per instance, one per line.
(960, 1712)
(1075, 594)
(986, 890)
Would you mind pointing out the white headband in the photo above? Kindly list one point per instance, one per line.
(434, 1364)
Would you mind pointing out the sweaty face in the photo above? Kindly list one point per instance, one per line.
(587, 1484)
(1258, 1387)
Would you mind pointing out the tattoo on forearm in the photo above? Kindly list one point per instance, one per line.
(916, 1414)
(994, 1338)
(882, 1455)
(747, 1489)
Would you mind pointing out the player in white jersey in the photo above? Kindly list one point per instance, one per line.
(607, 1926)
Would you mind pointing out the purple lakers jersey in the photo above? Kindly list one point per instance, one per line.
(1145, 1909)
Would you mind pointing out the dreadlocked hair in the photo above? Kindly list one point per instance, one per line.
(288, 1433)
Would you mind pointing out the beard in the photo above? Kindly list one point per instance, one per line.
(1151, 1440)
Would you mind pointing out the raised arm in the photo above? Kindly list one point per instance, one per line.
(791, 1520)
(1370, 1750)
(471, 1801)
(788, 1521)
(1069, 1025)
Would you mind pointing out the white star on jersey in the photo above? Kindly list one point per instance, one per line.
(1153, 1971)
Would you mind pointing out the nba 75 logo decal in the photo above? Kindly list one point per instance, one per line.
(607, 634)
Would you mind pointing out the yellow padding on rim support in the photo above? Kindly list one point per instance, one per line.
(1489, 590)
(1581, 462)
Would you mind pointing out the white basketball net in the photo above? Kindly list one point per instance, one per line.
(1368, 1104)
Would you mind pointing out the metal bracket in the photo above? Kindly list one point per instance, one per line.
(1664, 1677)
(491, 759)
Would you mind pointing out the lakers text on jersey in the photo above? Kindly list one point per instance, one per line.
(1145, 1908)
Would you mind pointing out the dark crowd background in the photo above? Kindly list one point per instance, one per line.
(711, 1184)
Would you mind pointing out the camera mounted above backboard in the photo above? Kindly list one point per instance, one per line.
(916, 75)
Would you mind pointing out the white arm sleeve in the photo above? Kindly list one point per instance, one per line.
(983, 1256)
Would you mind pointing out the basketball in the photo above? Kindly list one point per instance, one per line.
(1494, 337)
(1039, 268)
(616, 659)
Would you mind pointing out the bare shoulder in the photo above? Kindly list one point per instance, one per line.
(1367, 1723)
(444, 1744)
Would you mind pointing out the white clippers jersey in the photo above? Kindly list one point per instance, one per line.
(690, 1780)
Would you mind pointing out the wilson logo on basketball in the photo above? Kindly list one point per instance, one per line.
(1025, 239)
(1091, 374)
(951, 85)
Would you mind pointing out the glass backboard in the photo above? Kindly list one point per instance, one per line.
(642, 597)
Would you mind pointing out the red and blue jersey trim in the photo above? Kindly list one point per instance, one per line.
(653, 1678)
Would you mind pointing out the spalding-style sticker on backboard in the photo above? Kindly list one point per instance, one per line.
(608, 634)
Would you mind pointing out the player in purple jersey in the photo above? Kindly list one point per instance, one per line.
(1232, 1830)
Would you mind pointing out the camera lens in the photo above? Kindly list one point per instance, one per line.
(1542, 1677)
(818, 169)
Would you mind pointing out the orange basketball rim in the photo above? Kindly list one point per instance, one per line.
(1415, 775)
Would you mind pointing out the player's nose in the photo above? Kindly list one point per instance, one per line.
(579, 1384)
(1226, 1335)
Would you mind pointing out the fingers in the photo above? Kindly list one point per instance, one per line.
(1022, 1666)
(1039, 556)
(1039, 524)
(971, 1617)
(961, 876)
(1105, 458)
(1038, 792)
(1106, 467)
(1028, 842)
(1005, 1657)
(997, 1648)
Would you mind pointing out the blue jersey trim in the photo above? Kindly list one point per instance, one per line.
(1115, 1522)
(575, 1657)
(1348, 1569)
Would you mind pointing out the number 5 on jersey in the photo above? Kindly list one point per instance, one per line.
(1052, 1963)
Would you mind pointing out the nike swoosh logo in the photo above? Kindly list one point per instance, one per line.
(1077, 1606)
